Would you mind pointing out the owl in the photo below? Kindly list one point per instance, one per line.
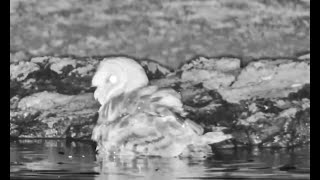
(139, 119)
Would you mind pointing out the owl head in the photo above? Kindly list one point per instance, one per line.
(116, 76)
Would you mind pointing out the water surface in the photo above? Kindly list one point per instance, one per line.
(61, 159)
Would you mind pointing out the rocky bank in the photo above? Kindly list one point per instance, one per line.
(265, 102)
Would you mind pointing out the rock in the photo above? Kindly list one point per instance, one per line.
(63, 75)
(20, 71)
(304, 92)
(210, 79)
(83, 71)
(42, 60)
(154, 70)
(59, 65)
(172, 80)
(213, 73)
(196, 97)
(215, 114)
(304, 57)
(269, 125)
(44, 101)
(25, 123)
(222, 64)
(55, 115)
(268, 79)
(14, 101)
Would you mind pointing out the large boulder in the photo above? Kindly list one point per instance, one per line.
(268, 79)
(52, 115)
(212, 73)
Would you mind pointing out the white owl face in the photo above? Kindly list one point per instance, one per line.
(116, 76)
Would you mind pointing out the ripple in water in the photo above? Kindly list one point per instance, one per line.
(60, 159)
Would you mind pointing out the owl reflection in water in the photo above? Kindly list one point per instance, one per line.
(139, 119)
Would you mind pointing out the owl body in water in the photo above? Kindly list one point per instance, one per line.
(137, 119)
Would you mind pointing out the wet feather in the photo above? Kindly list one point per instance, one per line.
(146, 120)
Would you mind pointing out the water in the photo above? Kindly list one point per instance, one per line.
(59, 159)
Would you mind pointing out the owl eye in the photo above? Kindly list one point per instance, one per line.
(113, 79)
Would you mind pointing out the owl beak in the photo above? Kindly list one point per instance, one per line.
(104, 109)
(102, 94)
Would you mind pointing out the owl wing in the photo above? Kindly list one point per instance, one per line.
(168, 98)
(164, 104)
(149, 118)
(164, 108)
